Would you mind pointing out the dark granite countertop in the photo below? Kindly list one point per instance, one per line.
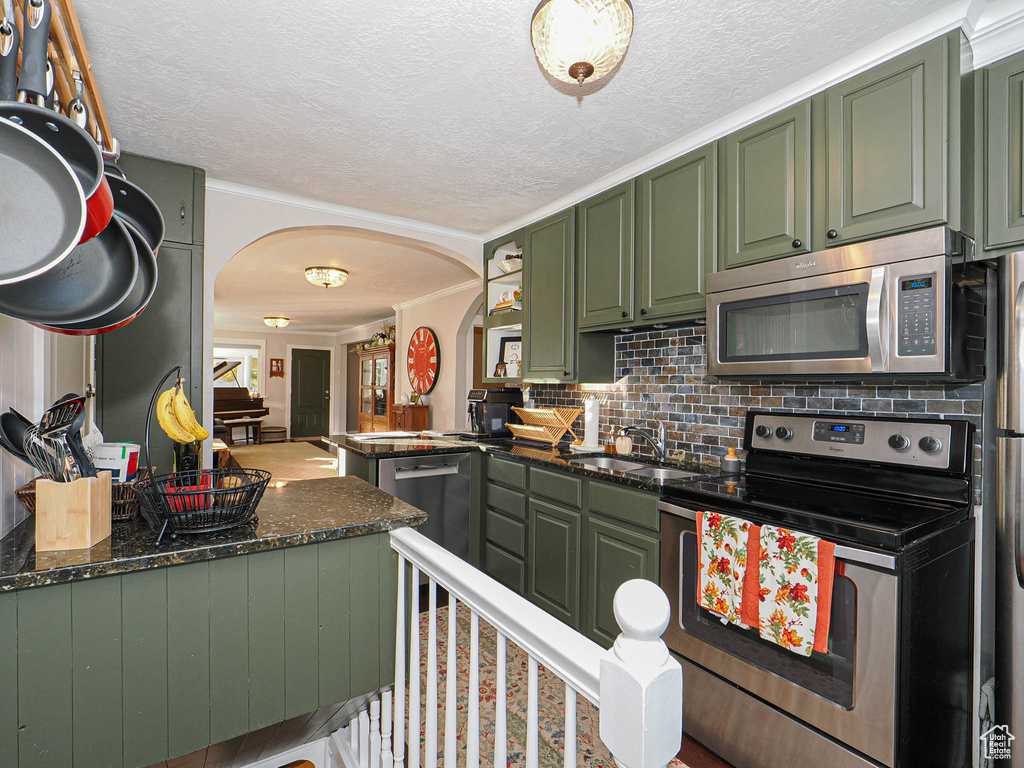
(551, 458)
(298, 512)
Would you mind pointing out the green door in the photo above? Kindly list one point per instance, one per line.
(678, 234)
(605, 256)
(767, 204)
(311, 392)
(888, 131)
(614, 554)
(549, 286)
(1004, 137)
(553, 565)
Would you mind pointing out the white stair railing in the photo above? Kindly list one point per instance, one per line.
(636, 685)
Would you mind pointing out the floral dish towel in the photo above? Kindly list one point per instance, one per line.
(722, 561)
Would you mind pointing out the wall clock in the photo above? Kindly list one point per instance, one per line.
(424, 360)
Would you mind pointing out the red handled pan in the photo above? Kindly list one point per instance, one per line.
(72, 142)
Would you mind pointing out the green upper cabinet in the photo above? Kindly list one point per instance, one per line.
(549, 284)
(1004, 141)
(678, 235)
(179, 191)
(892, 148)
(605, 257)
(766, 171)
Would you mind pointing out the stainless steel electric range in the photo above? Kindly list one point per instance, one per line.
(895, 687)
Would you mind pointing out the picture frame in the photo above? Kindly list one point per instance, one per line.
(510, 350)
(277, 367)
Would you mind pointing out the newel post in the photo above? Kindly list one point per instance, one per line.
(641, 685)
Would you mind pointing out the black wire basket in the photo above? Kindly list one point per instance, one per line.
(203, 500)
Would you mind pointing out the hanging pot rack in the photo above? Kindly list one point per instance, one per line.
(73, 72)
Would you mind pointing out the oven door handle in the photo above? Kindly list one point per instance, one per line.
(849, 554)
(877, 321)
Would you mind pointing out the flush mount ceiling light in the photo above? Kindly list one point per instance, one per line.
(276, 322)
(328, 277)
(580, 39)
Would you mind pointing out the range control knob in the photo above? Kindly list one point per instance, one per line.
(783, 433)
(763, 430)
(929, 444)
(899, 442)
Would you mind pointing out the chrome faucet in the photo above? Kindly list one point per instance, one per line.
(659, 446)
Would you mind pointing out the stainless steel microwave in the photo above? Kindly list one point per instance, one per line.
(911, 306)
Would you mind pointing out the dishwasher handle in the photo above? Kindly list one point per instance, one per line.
(408, 473)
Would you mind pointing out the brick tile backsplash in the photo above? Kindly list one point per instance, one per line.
(665, 376)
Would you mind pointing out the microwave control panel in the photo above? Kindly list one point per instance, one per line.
(916, 315)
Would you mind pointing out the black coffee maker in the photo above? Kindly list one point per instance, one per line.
(490, 410)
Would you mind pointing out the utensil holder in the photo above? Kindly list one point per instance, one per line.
(73, 515)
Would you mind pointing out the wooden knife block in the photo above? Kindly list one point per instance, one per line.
(72, 515)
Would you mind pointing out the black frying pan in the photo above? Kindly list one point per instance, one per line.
(94, 279)
(12, 431)
(42, 205)
(131, 307)
(135, 207)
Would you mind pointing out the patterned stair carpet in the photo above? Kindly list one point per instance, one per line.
(287, 461)
(591, 752)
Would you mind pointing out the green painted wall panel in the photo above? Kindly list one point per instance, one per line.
(387, 559)
(44, 677)
(266, 639)
(96, 681)
(188, 658)
(334, 621)
(301, 636)
(144, 667)
(229, 648)
(364, 630)
(9, 678)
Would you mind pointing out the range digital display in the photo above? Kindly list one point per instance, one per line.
(839, 432)
(916, 283)
(838, 427)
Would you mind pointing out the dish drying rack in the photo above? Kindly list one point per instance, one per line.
(544, 425)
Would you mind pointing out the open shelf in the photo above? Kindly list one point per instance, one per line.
(506, 320)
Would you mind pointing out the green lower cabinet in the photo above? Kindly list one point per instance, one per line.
(1004, 148)
(614, 554)
(553, 566)
(505, 568)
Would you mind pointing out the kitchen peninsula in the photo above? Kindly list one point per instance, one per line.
(132, 653)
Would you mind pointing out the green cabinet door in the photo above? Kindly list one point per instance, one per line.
(888, 135)
(678, 235)
(179, 191)
(553, 564)
(767, 188)
(605, 257)
(1004, 140)
(614, 554)
(549, 328)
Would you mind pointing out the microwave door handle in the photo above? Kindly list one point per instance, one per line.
(877, 321)
(1015, 363)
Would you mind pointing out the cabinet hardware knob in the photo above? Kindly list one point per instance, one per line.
(643, 311)
(565, 373)
(625, 313)
(831, 234)
(184, 212)
(797, 243)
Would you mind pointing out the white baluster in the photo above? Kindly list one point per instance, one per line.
(570, 727)
(387, 758)
(500, 704)
(375, 738)
(414, 673)
(451, 732)
(364, 738)
(353, 734)
(400, 623)
(473, 741)
(430, 756)
(532, 733)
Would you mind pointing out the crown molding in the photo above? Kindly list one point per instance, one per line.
(995, 30)
(440, 294)
(370, 217)
(360, 332)
(218, 329)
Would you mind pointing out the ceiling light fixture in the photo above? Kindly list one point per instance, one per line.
(328, 277)
(276, 322)
(579, 39)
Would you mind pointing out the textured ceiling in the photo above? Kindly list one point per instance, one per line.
(438, 110)
(266, 279)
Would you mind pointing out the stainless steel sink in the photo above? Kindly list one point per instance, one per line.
(661, 473)
(607, 462)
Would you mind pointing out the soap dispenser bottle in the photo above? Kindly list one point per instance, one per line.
(731, 462)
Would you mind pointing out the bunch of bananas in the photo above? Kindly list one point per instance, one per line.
(176, 416)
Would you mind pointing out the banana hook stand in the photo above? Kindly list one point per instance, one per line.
(176, 370)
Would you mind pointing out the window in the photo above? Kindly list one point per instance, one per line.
(242, 367)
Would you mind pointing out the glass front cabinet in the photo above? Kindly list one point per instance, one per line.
(376, 388)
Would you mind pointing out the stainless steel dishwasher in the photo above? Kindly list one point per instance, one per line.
(438, 485)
